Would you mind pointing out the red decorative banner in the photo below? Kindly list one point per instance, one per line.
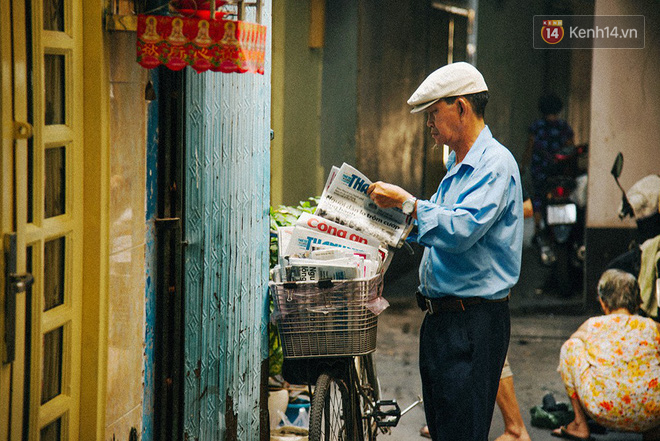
(217, 45)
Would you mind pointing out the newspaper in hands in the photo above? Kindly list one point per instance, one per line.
(345, 201)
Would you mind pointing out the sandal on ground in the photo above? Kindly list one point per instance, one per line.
(424, 431)
(563, 433)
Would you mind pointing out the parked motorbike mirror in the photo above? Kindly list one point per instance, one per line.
(617, 166)
(626, 208)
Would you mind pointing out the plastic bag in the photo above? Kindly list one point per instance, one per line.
(378, 304)
(302, 420)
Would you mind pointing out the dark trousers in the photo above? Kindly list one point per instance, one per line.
(461, 354)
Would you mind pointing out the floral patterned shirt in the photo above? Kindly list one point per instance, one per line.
(616, 371)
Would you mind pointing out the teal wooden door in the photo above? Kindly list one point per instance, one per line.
(226, 231)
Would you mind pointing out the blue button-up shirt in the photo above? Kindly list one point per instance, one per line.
(472, 228)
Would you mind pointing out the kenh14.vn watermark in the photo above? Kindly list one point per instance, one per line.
(589, 31)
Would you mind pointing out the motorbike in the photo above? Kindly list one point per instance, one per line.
(562, 242)
(641, 204)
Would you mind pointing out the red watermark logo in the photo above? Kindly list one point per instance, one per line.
(552, 31)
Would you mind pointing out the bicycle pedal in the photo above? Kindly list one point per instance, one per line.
(387, 413)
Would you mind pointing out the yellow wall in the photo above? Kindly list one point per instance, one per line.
(296, 105)
(625, 114)
(95, 224)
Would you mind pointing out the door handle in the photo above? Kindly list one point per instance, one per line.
(21, 282)
(22, 130)
(14, 284)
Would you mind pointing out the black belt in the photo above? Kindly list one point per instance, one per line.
(451, 303)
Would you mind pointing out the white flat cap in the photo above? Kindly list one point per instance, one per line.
(451, 80)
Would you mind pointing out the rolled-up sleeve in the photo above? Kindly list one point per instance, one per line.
(455, 228)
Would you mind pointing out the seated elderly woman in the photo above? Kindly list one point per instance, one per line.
(611, 365)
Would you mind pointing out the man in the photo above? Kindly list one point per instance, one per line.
(514, 426)
(472, 232)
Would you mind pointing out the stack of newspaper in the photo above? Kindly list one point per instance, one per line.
(349, 237)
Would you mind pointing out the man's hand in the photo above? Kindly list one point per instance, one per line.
(528, 208)
(387, 195)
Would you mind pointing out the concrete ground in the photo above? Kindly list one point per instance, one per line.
(541, 322)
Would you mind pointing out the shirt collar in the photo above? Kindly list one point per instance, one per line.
(474, 154)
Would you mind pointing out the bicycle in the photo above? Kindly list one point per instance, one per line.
(328, 333)
(346, 406)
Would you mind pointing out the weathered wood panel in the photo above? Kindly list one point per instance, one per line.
(392, 62)
(226, 227)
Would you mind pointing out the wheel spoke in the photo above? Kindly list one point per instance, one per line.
(330, 415)
(343, 403)
(367, 387)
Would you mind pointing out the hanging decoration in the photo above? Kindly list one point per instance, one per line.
(204, 44)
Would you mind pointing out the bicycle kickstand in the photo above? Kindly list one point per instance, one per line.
(407, 409)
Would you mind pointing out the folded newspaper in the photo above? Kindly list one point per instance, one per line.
(305, 240)
(345, 201)
(349, 236)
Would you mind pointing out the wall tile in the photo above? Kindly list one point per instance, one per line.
(127, 167)
(126, 310)
(121, 429)
(123, 62)
(125, 332)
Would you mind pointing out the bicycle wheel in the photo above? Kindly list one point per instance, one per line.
(332, 413)
(369, 393)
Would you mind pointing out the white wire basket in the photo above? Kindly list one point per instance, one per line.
(326, 318)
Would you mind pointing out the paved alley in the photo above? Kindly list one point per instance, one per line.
(540, 325)
(534, 353)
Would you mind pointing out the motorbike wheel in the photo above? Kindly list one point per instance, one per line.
(563, 270)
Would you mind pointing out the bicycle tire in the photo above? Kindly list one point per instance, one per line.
(332, 414)
(369, 394)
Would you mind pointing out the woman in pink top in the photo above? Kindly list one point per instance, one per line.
(611, 365)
